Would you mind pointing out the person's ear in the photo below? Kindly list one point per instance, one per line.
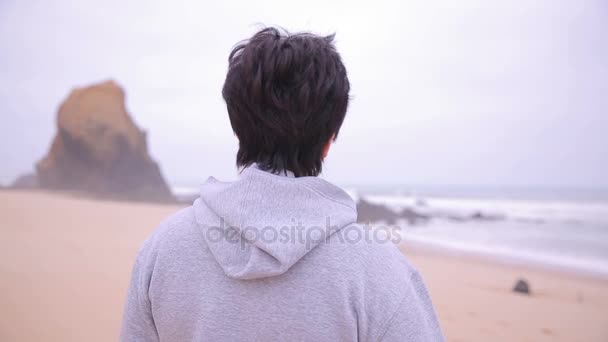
(327, 146)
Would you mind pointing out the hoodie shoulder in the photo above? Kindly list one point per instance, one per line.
(173, 224)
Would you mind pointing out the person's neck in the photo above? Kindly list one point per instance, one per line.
(284, 173)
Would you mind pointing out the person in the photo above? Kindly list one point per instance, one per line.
(277, 255)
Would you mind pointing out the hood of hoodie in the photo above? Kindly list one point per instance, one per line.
(263, 223)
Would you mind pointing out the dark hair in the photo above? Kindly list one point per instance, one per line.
(287, 95)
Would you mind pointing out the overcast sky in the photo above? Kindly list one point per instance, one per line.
(484, 93)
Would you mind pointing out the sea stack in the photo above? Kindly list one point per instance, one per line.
(98, 150)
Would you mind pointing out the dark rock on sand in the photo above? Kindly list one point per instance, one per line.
(25, 181)
(522, 287)
(98, 150)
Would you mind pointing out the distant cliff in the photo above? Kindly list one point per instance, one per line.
(98, 149)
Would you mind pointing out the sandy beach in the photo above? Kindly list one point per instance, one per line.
(474, 300)
(65, 264)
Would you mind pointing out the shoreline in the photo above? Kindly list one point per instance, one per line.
(419, 245)
(430, 248)
(513, 259)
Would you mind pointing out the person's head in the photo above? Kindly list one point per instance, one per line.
(287, 96)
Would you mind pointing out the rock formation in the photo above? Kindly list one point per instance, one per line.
(98, 149)
(369, 212)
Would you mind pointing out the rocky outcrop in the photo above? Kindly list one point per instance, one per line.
(98, 149)
(418, 213)
(368, 212)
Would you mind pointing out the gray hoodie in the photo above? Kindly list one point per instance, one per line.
(274, 258)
